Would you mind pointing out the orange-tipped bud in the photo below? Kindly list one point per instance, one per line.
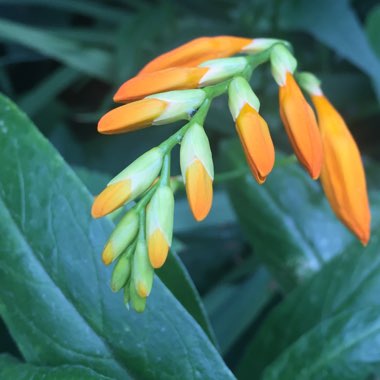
(122, 236)
(159, 225)
(342, 176)
(197, 171)
(142, 270)
(296, 113)
(301, 126)
(164, 80)
(252, 129)
(129, 184)
(157, 109)
(131, 116)
(197, 51)
(256, 141)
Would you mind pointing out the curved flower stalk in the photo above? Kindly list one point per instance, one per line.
(181, 85)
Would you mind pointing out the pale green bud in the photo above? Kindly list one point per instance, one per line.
(142, 172)
(138, 303)
(310, 83)
(181, 104)
(222, 69)
(282, 61)
(239, 94)
(122, 236)
(195, 146)
(260, 44)
(143, 272)
(121, 271)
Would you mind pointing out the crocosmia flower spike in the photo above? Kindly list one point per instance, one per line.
(343, 177)
(181, 85)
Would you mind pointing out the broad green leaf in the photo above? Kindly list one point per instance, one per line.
(287, 219)
(234, 306)
(372, 27)
(343, 347)
(11, 368)
(89, 60)
(54, 292)
(344, 287)
(336, 25)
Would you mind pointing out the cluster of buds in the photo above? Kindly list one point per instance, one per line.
(180, 85)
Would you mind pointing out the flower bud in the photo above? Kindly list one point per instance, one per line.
(137, 302)
(260, 44)
(343, 177)
(122, 236)
(240, 94)
(122, 270)
(159, 225)
(177, 78)
(282, 62)
(181, 104)
(129, 184)
(310, 83)
(143, 272)
(301, 126)
(197, 51)
(222, 69)
(197, 170)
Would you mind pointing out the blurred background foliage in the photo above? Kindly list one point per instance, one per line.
(62, 60)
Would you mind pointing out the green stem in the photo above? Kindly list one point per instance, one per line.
(165, 171)
(141, 204)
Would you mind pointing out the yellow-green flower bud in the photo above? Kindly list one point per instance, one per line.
(282, 61)
(143, 272)
(137, 302)
(122, 236)
(127, 294)
(122, 270)
(310, 83)
(240, 94)
(129, 184)
(181, 104)
(159, 225)
(197, 170)
(222, 69)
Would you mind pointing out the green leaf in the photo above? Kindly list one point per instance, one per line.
(344, 347)
(11, 368)
(54, 292)
(89, 60)
(327, 310)
(234, 306)
(372, 27)
(287, 219)
(335, 24)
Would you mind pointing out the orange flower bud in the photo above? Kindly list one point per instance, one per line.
(156, 109)
(164, 80)
(197, 51)
(197, 170)
(301, 126)
(256, 141)
(199, 190)
(131, 116)
(342, 176)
